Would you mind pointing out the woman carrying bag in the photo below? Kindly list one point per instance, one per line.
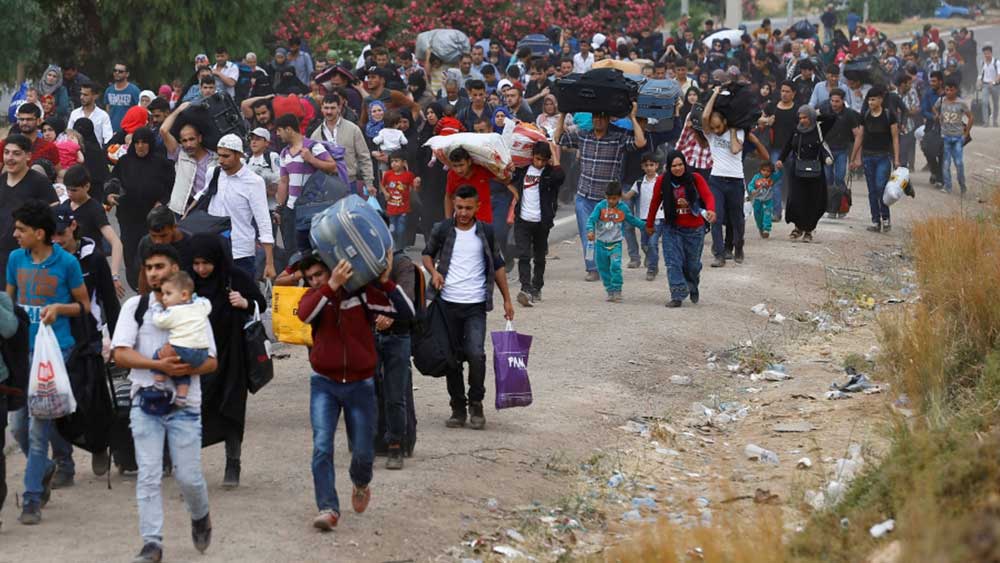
(807, 199)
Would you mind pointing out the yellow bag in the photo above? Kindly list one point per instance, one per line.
(284, 318)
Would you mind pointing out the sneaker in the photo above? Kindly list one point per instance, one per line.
(611, 297)
(592, 276)
(326, 520)
(62, 480)
(808, 237)
(477, 421)
(31, 514)
(874, 228)
(728, 255)
(395, 459)
(360, 498)
(231, 480)
(150, 553)
(945, 190)
(524, 299)
(633, 264)
(47, 484)
(795, 234)
(457, 419)
(719, 262)
(100, 462)
(673, 303)
(694, 297)
(201, 533)
(886, 226)
(765, 234)
(536, 296)
(616, 297)
(650, 276)
(738, 258)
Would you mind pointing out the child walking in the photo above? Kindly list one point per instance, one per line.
(186, 318)
(643, 187)
(606, 229)
(397, 182)
(760, 190)
(537, 188)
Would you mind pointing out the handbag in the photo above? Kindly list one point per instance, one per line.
(510, 367)
(810, 167)
(432, 352)
(260, 365)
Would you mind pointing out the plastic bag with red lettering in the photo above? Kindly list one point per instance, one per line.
(521, 138)
(487, 149)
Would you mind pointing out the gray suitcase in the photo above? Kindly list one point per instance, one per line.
(352, 230)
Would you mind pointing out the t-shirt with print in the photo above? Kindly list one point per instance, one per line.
(479, 178)
(607, 222)
(90, 219)
(397, 187)
(48, 283)
(298, 170)
(952, 114)
(531, 196)
(762, 187)
(725, 163)
(117, 102)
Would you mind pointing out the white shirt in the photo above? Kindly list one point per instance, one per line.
(390, 140)
(231, 70)
(531, 196)
(101, 119)
(186, 323)
(581, 64)
(990, 71)
(726, 164)
(146, 340)
(466, 279)
(271, 174)
(243, 198)
(644, 188)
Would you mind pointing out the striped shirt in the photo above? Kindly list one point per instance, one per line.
(601, 160)
(297, 170)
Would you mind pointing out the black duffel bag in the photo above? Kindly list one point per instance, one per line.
(601, 90)
(865, 70)
(738, 104)
(432, 350)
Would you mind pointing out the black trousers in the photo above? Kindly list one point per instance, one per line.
(532, 240)
(3, 445)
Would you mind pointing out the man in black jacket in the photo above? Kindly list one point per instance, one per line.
(104, 304)
(537, 188)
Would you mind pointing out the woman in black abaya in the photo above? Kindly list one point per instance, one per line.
(807, 190)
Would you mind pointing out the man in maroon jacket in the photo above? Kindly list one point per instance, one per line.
(343, 359)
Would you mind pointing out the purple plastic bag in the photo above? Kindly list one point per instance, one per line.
(510, 365)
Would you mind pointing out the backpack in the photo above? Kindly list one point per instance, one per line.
(197, 219)
(15, 356)
(242, 87)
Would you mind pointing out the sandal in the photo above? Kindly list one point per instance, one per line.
(795, 234)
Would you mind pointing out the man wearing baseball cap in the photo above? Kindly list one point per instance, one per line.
(266, 164)
(242, 196)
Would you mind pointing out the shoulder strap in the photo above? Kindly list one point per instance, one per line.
(140, 310)
(213, 184)
(267, 158)
(419, 288)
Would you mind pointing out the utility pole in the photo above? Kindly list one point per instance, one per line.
(865, 14)
(685, 7)
(791, 7)
(734, 13)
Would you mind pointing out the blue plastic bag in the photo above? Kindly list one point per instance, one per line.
(15, 102)
(510, 367)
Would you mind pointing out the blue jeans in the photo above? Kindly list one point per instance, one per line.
(182, 430)
(953, 150)
(326, 399)
(394, 373)
(248, 265)
(62, 451)
(682, 248)
(584, 207)
(650, 245)
(877, 169)
(728, 193)
(631, 242)
(779, 188)
(836, 175)
(397, 226)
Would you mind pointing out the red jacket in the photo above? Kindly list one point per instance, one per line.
(684, 217)
(343, 340)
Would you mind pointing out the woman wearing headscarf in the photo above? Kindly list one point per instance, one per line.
(499, 119)
(145, 179)
(549, 118)
(433, 176)
(94, 157)
(687, 203)
(806, 180)
(233, 295)
(51, 84)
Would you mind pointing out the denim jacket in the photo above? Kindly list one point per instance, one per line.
(442, 244)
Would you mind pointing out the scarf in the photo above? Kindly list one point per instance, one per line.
(555, 105)
(46, 89)
(685, 180)
(808, 110)
(94, 157)
(144, 180)
(493, 118)
(215, 287)
(135, 117)
(373, 127)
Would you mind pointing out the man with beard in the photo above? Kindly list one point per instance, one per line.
(341, 132)
(192, 158)
(29, 118)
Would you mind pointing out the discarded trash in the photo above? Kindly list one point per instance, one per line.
(845, 523)
(636, 427)
(492, 505)
(804, 463)
(753, 451)
(733, 368)
(857, 383)
(616, 480)
(834, 491)
(515, 535)
(778, 319)
(507, 551)
(761, 310)
(667, 451)
(879, 530)
(797, 426)
(632, 516)
(873, 390)
(764, 496)
(835, 395)
(816, 499)
(775, 375)
(644, 502)
(702, 502)
(680, 380)
(706, 517)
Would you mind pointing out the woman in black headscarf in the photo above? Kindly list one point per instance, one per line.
(94, 157)
(806, 178)
(433, 176)
(144, 180)
(224, 393)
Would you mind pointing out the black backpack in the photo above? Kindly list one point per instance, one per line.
(197, 219)
(15, 356)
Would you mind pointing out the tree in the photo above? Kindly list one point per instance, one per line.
(20, 30)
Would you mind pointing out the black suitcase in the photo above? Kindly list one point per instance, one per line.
(539, 44)
(214, 117)
(866, 70)
(978, 111)
(738, 104)
(602, 90)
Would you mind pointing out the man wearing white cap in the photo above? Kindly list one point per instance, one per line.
(242, 197)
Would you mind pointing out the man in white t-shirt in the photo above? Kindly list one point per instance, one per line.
(89, 93)
(584, 60)
(225, 72)
(726, 181)
(464, 262)
(989, 79)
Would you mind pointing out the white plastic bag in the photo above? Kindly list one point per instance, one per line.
(486, 149)
(520, 138)
(898, 181)
(448, 44)
(50, 395)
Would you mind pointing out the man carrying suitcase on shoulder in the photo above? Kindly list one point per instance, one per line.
(601, 155)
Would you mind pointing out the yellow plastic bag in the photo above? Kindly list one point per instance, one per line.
(284, 318)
